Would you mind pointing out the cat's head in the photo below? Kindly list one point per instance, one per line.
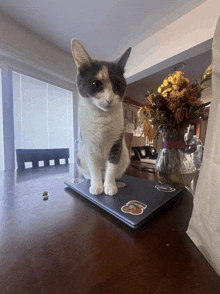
(101, 82)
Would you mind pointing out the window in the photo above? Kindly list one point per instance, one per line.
(43, 115)
(1, 127)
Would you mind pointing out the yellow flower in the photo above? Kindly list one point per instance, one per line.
(177, 79)
(175, 87)
(165, 92)
(179, 73)
(174, 94)
(165, 83)
(206, 75)
(209, 68)
(169, 79)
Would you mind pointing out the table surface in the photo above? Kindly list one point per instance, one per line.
(68, 245)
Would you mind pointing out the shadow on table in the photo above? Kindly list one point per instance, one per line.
(41, 172)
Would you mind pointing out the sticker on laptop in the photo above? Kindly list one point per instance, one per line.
(120, 185)
(165, 188)
(76, 181)
(134, 207)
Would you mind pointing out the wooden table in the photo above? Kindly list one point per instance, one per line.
(68, 245)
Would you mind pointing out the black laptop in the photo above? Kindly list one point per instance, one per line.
(136, 201)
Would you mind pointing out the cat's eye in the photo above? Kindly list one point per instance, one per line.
(97, 86)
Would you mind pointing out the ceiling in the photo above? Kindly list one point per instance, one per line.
(105, 27)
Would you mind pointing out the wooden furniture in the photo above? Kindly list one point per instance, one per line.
(68, 245)
(36, 155)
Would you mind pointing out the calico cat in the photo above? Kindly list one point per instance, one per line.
(102, 148)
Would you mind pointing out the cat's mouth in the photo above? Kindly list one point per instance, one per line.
(105, 106)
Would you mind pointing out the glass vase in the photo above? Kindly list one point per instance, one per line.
(174, 166)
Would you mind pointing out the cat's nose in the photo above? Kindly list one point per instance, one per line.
(109, 101)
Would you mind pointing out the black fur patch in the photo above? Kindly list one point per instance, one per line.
(115, 153)
(87, 74)
(117, 79)
(85, 78)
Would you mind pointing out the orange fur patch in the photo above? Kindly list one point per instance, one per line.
(103, 74)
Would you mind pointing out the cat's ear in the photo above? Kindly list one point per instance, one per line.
(123, 59)
(80, 55)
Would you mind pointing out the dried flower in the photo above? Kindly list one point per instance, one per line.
(150, 98)
(182, 116)
(207, 74)
(177, 105)
(148, 130)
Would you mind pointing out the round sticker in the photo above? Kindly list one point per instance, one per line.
(77, 181)
(165, 188)
(120, 184)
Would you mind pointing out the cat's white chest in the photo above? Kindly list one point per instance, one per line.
(100, 130)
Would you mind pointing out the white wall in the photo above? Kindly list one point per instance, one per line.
(1, 128)
(18, 42)
(188, 31)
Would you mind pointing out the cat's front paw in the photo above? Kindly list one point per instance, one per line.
(110, 190)
(96, 189)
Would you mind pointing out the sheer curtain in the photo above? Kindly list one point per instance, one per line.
(204, 226)
(1, 127)
(43, 115)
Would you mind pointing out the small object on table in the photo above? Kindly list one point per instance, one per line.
(45, 195)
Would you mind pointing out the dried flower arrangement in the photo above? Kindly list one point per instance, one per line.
(178, 103)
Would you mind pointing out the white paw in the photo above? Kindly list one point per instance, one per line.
(110, 190)
(96, 189)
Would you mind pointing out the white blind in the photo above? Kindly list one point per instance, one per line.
(43, 115)
(1, 127)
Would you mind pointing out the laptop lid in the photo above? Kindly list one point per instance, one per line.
(136, 201)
